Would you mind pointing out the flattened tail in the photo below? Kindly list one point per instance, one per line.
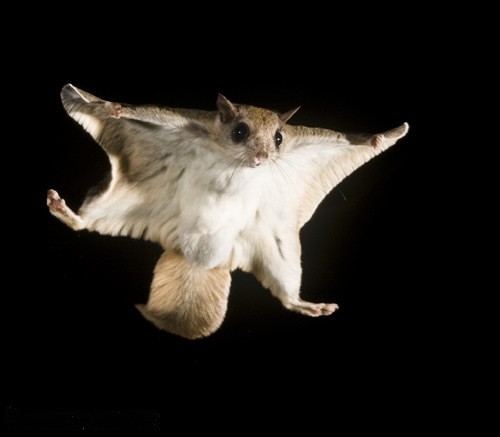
(187, 300)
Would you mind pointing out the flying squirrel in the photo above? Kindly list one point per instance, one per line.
(218, 190)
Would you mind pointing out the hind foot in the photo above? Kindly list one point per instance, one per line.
(312, 309)
(59, 209)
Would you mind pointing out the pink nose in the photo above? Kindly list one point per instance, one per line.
(260, 157)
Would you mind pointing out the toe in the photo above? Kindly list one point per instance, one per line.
(52, 197)
(330, 308)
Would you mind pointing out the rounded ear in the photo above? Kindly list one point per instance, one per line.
(287, 115)
(227, 110)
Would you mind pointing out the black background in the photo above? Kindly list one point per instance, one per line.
(74, 340)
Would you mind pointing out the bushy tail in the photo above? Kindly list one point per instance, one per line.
(187, 300)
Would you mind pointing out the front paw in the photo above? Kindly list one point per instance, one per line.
(114, 109)
(57, 206)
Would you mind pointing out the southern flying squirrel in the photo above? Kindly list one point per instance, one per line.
(213, 189)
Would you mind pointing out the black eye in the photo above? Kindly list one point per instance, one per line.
(278, 138)
(240, 132)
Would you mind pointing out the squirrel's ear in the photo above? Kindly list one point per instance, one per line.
(227, 110)
(287, 115)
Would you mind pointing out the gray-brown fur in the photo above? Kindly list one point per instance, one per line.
(138, 144)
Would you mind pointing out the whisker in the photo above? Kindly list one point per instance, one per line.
(235, 160)
(236, 168)
(280, 180)
(292, 164)
(287, 177)
(281, 169)
(239, 159)
(275, 180)
(342, 193)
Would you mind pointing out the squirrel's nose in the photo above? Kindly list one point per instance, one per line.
(261, 157)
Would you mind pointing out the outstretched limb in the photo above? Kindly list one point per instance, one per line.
(312, 309)
(59, 209)
(279, 270)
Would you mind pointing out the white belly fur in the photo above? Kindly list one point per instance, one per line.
(211, 222)
(211, 219)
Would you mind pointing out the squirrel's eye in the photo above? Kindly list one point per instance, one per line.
(278, 138)
(240, 132)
